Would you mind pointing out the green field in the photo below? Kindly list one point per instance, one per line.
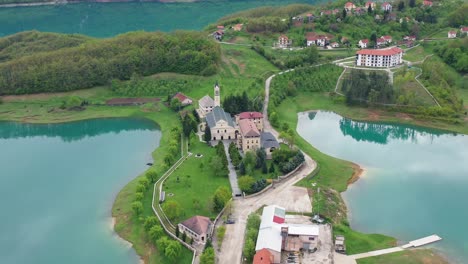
(190, 178)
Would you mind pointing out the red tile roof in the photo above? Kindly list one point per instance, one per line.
(464, 29)
(387, 37)
(263, 256)
(248, 128)
(365, 41)
(249, 115)
(180, 96)
(427, 3)
(349, 4)
(315, 36)
(452, 32)
(220, 27)
(198, 224)
(283, 36)
(380, 52)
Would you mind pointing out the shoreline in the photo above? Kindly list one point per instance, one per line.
(112, 222)
(66, 2)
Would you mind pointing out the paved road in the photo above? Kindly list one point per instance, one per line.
(232, 172)
(231, 250)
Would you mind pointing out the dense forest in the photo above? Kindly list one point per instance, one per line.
(363, 88)
(454, 53)
(97, 62)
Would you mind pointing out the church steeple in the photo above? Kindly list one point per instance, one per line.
(217, 95)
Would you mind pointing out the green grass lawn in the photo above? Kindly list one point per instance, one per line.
(193, 184)
(357, 242)
(416, 54)
(417, 256)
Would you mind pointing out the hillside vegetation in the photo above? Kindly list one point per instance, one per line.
(96, 62)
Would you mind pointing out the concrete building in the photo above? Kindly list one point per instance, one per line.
(363, 43)
(197, 227)
(275, 235)
(221, 124)
(206, 103)
(284, 42)
(386, 6)
(249, 135)
(452, 34)
(389, 57)
(256, 117)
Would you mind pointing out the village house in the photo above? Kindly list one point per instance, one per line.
(249, 135)
(464, 30)
(371, 4)
(392, 17)
(218, 35)
(427, 3)
(335, 45)
(275, 235)
(284, 42)
(380, 42)
(452, 34)
(310, 17)
(363, 43)
(360, 11)
(387, 38)
(318, 40)
(349, 6)
(237, 27)
(220, 27)
(183, 99)
(389, 57)
(386, 6)
(409, 38)
(197, 227)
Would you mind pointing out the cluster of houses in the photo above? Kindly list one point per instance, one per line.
(245, 129)
(453, 33)
(220, 30)
(275, 236)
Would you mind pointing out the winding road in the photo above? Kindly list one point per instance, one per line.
(231, 250)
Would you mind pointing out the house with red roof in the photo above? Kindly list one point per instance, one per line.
(386, 6)
(363, 43)
(464, 30)
(284, 42)
(452, 34)
(371, 4)
(387, 38)
(197, 227)
(410, 38)
(427, 3)
(183, 99)
(388, 57)
(249, 135)
(256, 117)
(263, 256)
(320, 40)
(349, 6)
(380, 42)
(237, 27)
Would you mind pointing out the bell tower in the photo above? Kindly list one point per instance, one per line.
(217, 96)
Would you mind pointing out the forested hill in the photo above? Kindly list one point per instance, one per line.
(73, 62)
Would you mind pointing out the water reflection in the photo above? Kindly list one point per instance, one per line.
(69, 132)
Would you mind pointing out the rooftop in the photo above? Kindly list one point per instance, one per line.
(380, 52)
(248, 128)
(180, 96)
(263, 256)
(216, 115)
(206, 101)
(249, 115)
(268, 140)
(198, 224)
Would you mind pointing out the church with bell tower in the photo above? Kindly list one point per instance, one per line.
(217, 95)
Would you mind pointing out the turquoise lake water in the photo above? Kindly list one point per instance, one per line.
(109, 19)
(57, 186)
(415, 183)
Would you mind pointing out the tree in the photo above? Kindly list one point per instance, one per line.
(172, 209)
(151, 176)
(220, 232)
(155, 232)
(242, 170)
(249, 161)
(245, 183)
(177, 231)
(221, 197)
(207, 135)
(249, 249)
(218, 167)
(172, 250)
(139, 196)
(175, 104)
(150, 221)
(369, 10)
(208, 256)
(272, 168)
(184, 236)
(412, 3)
(401, 6)
(137, 207)
(264, 168)
(344, 13)
(162, 243)
(260, 158)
